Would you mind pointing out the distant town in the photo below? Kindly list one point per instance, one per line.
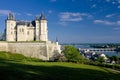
(110, 52)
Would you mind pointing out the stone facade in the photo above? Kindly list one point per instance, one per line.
(3, 46)
(35, 30)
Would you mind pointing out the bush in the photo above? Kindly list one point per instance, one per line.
(101, 59)
(73, 55)
(59, 58)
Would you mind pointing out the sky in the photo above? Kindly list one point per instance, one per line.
(71, 21)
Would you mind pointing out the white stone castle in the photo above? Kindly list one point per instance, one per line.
(26, 31)
(29, 38)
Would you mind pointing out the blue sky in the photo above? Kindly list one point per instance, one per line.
(77, 21)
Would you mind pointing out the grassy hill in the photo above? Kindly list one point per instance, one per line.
(18, 67)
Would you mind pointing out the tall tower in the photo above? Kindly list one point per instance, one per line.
(41, 29)
(37, 29)
(10, 28)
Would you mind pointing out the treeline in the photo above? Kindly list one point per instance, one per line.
(71, 54)
(112, 45)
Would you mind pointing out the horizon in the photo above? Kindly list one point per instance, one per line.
(79, 21)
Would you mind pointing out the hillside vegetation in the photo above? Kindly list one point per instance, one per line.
(18, 67)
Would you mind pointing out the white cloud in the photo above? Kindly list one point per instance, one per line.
(17, 13)
(4, 12)
(109, 15)
(113, 2)
(118, 1)
(118, 22)
(103, 22)
(118, 6)
(70, 16)
(116, 29)
(93, 6)
(50, 11)
(63, 23)
(107, 0)
(29, 14)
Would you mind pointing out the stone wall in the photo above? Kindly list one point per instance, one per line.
(41, 50)
(37, 50)
(3, 46)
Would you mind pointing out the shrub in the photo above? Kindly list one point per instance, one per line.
(73, 55)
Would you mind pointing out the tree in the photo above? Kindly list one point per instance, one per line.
(107, 56)
(101, 59)
(73, 55)
(115, 58)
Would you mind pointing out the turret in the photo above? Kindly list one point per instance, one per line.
(10, 28)
(57, 41)
(41, 28)
(37, 29)
(42, 17)
(10, 17)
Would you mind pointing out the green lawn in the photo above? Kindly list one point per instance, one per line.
(18, 67)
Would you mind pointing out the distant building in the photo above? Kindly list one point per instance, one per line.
(103, 55)
(35, 30)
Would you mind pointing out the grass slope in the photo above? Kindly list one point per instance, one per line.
(18, 67)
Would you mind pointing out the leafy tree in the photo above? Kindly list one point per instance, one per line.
(101, 59)
(73, 55)
(111, 58)
(107, 56)
(115, 58)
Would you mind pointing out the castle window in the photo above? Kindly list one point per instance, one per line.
(28, 33)
(22, 30)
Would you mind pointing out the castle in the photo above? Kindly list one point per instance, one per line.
(29, 38)
(26, 31)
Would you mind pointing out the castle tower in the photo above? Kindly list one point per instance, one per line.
(37, 29)
(10, 28)
(41, 29)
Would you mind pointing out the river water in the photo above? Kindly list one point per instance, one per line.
(110, 53)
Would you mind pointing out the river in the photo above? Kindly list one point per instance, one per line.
(110, 53)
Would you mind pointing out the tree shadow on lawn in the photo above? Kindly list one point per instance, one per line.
(19, 71)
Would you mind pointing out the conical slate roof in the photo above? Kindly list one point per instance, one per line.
(42, 17)
(11, 16)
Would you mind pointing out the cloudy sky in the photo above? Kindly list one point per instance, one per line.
(78, 21)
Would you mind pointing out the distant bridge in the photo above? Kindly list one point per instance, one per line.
(97, 49)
